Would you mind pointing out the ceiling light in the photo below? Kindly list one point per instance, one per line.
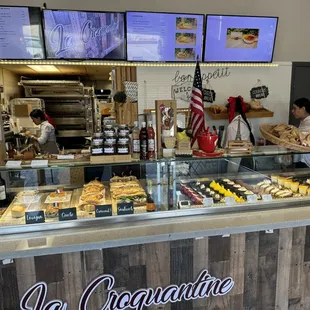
(43, 68)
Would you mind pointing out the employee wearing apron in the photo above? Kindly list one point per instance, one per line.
(301, 111)
(47, 139)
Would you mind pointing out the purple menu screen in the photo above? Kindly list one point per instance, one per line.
(84, 35)
(240, 38)
(164, 37)
(20, 33)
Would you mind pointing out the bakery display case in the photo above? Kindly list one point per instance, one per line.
(71, 193)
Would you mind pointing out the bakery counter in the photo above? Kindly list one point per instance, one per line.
(63, 237)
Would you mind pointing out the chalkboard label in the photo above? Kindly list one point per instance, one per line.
(208, 95)
(259, 92)
(35, 217)
(103, 210)
(67, 214)
(125, 208)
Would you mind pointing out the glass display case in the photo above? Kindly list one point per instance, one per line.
(69, 194)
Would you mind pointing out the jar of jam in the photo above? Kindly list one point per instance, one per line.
(123, 130)
(122, 148)
(96, 149)
(109, 131)
(108, 148)
(123, 139)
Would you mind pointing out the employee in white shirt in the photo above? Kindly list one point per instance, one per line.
(301, 111)
(239, 128)
(47, 139)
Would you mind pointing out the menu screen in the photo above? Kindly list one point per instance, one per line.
(164, 37)
(240, 38)
(84, 35)
(20, 33)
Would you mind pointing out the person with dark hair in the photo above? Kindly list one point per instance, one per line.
(47, 139)
(301, 111)
(239, 127)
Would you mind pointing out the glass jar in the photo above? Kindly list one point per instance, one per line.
(122, 148)
(97, 149)
(108, 148)
(123, 130)
(109, 131)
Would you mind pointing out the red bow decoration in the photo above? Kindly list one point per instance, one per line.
(232, 107)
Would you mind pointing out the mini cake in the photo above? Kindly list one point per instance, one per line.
(294, 186)
(303, 189)
(281, 180)
(287, 183)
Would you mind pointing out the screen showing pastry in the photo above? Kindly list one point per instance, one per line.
(240, 38)
(164, 36)
(21, 33)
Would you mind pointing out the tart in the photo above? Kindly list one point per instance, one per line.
(295, 186)
(281, 180)
(287, 183)
(303, 189)
(18, 211)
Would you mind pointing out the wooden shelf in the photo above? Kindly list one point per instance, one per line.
(251, 114)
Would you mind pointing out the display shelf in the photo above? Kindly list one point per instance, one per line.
(251, 114)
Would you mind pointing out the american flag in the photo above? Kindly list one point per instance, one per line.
(197, 120)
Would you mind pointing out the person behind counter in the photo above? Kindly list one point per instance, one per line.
(239, 128)
(47, 139)
(301, 111)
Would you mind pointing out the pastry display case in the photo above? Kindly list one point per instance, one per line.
(71, 194)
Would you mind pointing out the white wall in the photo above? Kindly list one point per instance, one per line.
(292, 41)
(155, 84)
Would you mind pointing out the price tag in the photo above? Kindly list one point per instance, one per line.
(103, 210)
(259, 92)
(207, 202)
(67, 214)
(65, 156)
(39, 163)
(13, 164)
(35, 217)
(267, 197)
(251, 198)
(230, 201)
(125, 208)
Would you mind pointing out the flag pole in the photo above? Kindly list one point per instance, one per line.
(188, 130)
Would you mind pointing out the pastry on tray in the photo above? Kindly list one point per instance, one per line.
(52, 211)
(18, 211)
(93, 189)
(57, 196)
(29, 193)
(88, 207)
(94, 183)
(92, 198)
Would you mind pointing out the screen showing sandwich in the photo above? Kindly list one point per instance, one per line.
(84, 35)
(240, 38)
(21, 33)
(164, 37)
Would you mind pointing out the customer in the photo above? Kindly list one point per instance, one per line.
(301, 111)
(47, 139)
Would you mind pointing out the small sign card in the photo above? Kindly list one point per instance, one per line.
(266, 197)
(207, 202)
(125, 208)
(230, 201)
(208, 95)
(251, 198)
(259, 92)
(35, 217)
(65, 156)
(103, 210)
(13, 163)
(67, 214)
(39, 163)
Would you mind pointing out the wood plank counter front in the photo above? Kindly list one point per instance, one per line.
(267, 255)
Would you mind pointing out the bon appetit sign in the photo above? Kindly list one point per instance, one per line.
(203, 287)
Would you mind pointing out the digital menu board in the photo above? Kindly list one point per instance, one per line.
(240, 38)
(84, 35)
(164, 36)
(21, 33)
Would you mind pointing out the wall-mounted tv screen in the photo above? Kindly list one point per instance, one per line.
(164, 36)
(21, 33)
(240, 38)
(84, 35)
